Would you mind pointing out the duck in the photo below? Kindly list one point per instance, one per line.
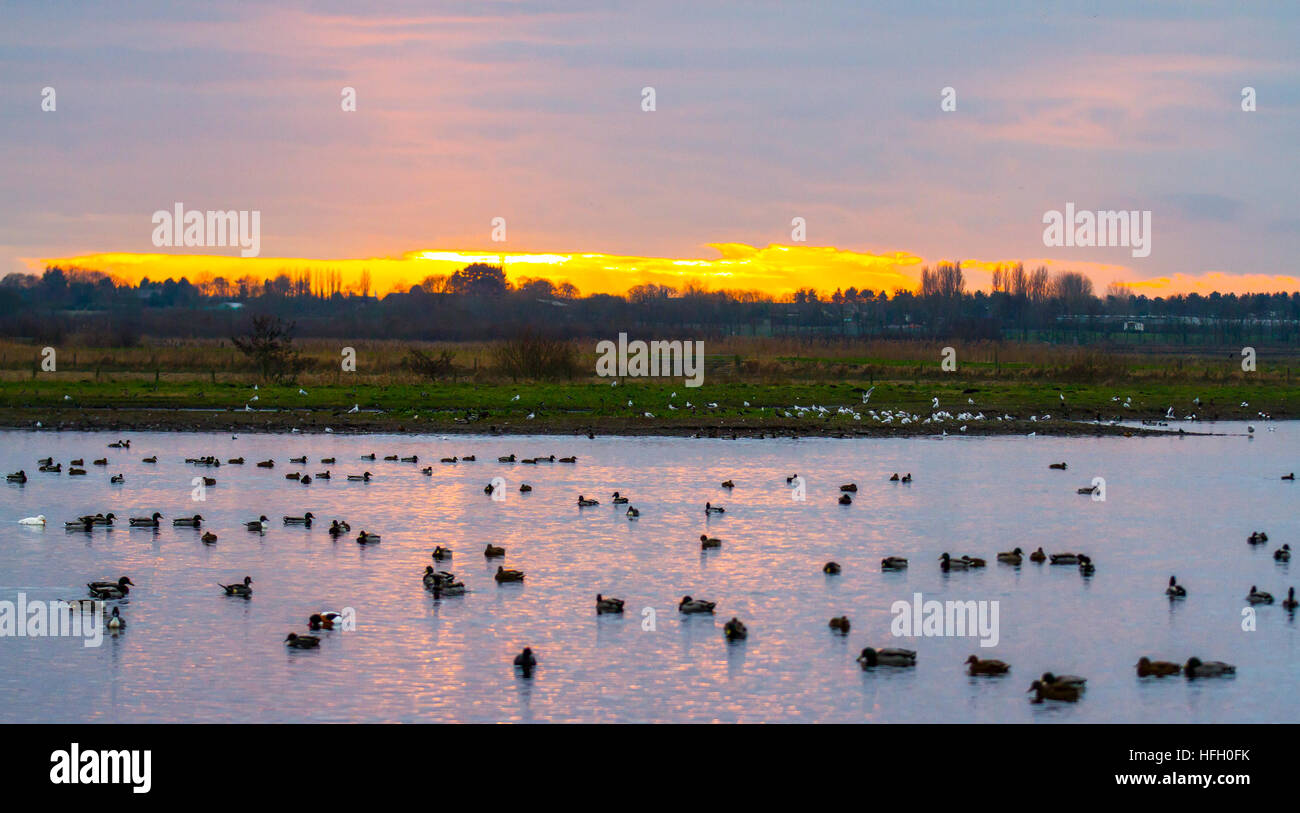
(831, 568)
(305, 519)
(364, 477)
(1054, 691)
(1086, 567)
(608, 605)
(266, 464)
(117, 478)
(1257, 538)
(54, 469)
(1175, 590)
(728, 484)
(710, 508)
(415, 458)
(209, 481)
(317, 621)
(36, 520)
(365, 538)
(893, 563)
(76, 472)
(101, 519)
(618, 499)
(1064, 680)
(327, 461)
(293, 475)
(1282, 554)
(947, 563)
(151, 459)
(735, 630)
(888, 656)
(493, 551)
(440, 553)
(840, 624)
(120, 444)
(1011, 557)
(632, 512)
(235, 461)
(302, 460)
(1065, 558)
(524, 488)
(338, 528)
(116, 621)
(1290, 603)
(569, 459)
(894, 478)
(437, 577)
(1038, 556)
(987, 667)
(510, 458)
(208, 537)
(707, 542)
(79, 525)
(19, 476)
(1149, 668)
(1257, 596)
(103, 461)
(907, 478)
(296, 641)
(1195, 668)
(845, 499)
(146, 522)
(258, 524)
(1061, 466)
(370, 456)
(1290, 476)
(239, 589)
(391, 457)
(116, 589)
(853, 487)
(188, 522)
(691, 605)
(791, 478)
(503, 575)
(449, 460)
(583, 502)
(526, 661)
(45, 461)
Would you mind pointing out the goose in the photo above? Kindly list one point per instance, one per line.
(151, 459)
(1257, 596)
(1065, 558)
(235, 461)
(363, 478)
(853, 487)
(987, 667)
(266, 464)
(208, 537)
(296, 641)
(632, 513)
(710, 508)
(707, 542)
(1282, 554)
(570, 459)
(1175, 590)
(1054, 691)
(1056, 466)
(440, 553)
(116, 621)
(1290, 603)
(19, 476)
(893, 563)
(1195, 668)
(886, 657)
(1064, 680)
(305, 519)
(189, 522)
(111, 590)
(493, 551)
(735, 630)
(948, 563)
(257, 524)
(245, 589)
(510, 458)
(1038, 556)
(619, 499)
(338, 528)
(608, 605)
(690, 605)
(364, 538)
(831, 568)
(1149, 668)
(1011, 557)
(840, 624)
(584, 502)
(524, 488)
(845, 499)
(526, 661)
(728, 484)
(117, 478)
(36, 520)
(302, 459)
(103, 461)
(503, 575)
(146, 522)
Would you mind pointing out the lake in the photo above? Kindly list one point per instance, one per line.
(1174, 505)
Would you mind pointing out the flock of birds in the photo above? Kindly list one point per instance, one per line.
(442, 583)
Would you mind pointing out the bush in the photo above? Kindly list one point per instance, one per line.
(532, 355)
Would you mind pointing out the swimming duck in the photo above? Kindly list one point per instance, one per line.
(319, 622)
(1056, 466)
(76, 472)
(365, 538)
(103, 461)
(893, 563)
(1149, 668)
(1054, 691)
(116, 621)
(1011, 557)
(390, 457)
(510, 458)
(1290, 476)
(302, 459)
(1038, 556)
(583, 502)
(339, 528)
(19, 476)
(413, 459)
(360, 478)
(524, 488)
(120, 444)
(1194, 668)
(117, 478)
(257, 524)
(1290, 603)
(608, 605)
(707, 542)
(1064, 680)
(293, 475)
(849, 487)
(728, 484)
(1065, 558)
(327, 461)
(887, 656)
(151, 459)
(1257, 596)
(37, 520)
(146, 522)
(894, 479)
(440, 553)
(437, 577)
(1257, 538)
(987, 667)
(734, 630)
(947, 563)
(235, 461)
(526, 662)
(305, 519)
(297, 641)
(791, 478)
(619, 499)
(79, 525)
(503, 575)
(245, 589)
(1175, 590)
(116, 589)
(710, 508)
(840, 624)
(570, 459)
(845, 499)
(907, 478)
(188, 522)
(1282, 554)
(632, 513)
(449, 460)
(450, 587)
(831, 568)
(1086, 567)
(208, 537)
(492, 551)
(370, 456)
(209, 481)
(690, 605)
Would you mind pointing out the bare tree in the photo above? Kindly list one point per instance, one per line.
(269, 345)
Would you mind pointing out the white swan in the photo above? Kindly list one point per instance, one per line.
(37, 520)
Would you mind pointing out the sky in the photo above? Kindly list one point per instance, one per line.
(764, 112)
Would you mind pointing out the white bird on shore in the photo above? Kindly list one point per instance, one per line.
(674, 395)
(866, 396)
(746, 403)
(935, 405)
(516, 398)
(301, 391)
(532, 415)
(970, 401)
(254, 398)
(649, 414)
(629, 402)
(1062, 397)
(39, 520)
(1244, 404)
(355, 408)
(247, 408)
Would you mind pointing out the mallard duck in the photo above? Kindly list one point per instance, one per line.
(437, 577)
(37, 520)
(1282, 554)
(305, 519)
(209, 481)
(608, 605)
(1011, 557)
(266, 464)
(618, 499)
(1290, 476)
(412, 459)
(887, 656)
(76, 472)
(339, 528)
(297, 641)
(327, 461)
(734, 630)
(632, 512)
(316, 621)
(583, 502)
(115, 621)
(1257, 538)
(524, 488)
(390, 457)
(947, 563)
(893, 563)
(238, 589)
(449, 460)
(117, 478)
(103, 461)
(1038, 556)
(1149, 668)
(504, 575)
(51, 469)
(360, 478)
(728, 484)
(973, 561)
(907, 478)
(1257, 596)
(365, 538)
(99, 519)
(146, 522)
(493, 551)
(293, 475)
(440, 553)
(209, 537)
(845, 499)
(510, 458)
(188, 522)
(1064, 680)
(710, 508)
(19, 476)
(1290, 603)
(987, 667)
(831, 568)
(1175, 590)
(236, 461)
(840, 624)
(1056, 465)
(690, 605)
(105, 590)
(78, 525)
(1195, 668)
(853, 487)
(449, 587)
(370, 456)
(1086, 567)
(1054, 691)
(1065, 558)
(257, 524)
(526, 661)
(707, 542)
(894, 478)
(151, 459)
